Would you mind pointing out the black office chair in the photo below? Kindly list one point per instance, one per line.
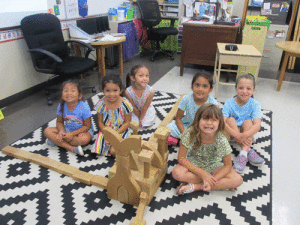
(50, 53)
(150, 16)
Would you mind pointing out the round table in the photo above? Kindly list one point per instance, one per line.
(100, 47)
(291, 48)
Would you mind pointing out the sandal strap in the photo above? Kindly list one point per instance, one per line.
(190, 190)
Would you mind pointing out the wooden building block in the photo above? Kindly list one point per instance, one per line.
(17, 153)
(146, 156)
(138, 219)
(67, 170)
(172, 113)
(157, 160)
(45, 162)
(134, 126)
(134, 161)
(82, 177)
(99, 181)
(162, 132)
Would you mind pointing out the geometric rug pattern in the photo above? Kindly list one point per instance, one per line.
(30, 194)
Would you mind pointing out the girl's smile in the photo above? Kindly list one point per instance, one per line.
(112, 92)
(209, 126)
(141, 78)
(201, 89)
(70, 93)
(244, 90)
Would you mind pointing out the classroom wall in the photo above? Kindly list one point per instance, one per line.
(17, 73)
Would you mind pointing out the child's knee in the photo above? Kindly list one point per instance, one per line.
(176, 173)
(47, 131)
(238, 180)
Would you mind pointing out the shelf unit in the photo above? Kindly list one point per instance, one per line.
(169, 9)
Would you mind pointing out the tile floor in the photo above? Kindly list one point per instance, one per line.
(31, 112)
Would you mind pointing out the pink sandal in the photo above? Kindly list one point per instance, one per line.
(172, 140)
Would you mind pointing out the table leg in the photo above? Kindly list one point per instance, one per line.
(120, 59)
(181, 66)
(102, 61)
(282, 70)
(98, 55)
(218, 76)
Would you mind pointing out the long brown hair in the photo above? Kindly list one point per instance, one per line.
(206, 111)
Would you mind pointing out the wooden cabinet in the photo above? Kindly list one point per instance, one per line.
(199, 42)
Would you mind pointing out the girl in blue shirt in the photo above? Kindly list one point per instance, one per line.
(74, 125)
(242, 117)
(202, 85)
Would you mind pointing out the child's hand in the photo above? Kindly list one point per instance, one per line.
(68, 137)
(107, 143)
(209, 179)
(206, 186)
(59, 136)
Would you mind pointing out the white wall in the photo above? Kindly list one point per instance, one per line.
(16, 72)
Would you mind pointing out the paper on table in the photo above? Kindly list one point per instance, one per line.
(109, 38)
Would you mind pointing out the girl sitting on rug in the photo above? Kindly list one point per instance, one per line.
(140, 95)
(204, 158)
(113, 111)
(242, 116)
(202, 85)
(73, 125)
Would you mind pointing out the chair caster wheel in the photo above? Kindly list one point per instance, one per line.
(94, 90)
(151, 59)
(172, 58)
(49, 102)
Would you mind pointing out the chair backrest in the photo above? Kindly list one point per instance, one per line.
(43, 31)
(150, 13)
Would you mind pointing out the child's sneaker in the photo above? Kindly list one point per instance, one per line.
(254, 158)
(78, 150)
(172, 140)
(240, 163)
(50, 143)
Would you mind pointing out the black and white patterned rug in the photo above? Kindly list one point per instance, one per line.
(30, 194)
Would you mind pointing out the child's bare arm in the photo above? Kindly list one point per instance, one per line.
(147, 104)
(178, 120)
(225, 169)
(60, 124)
(100, 121)
(135, 109)
(126, 123)
(229, 129)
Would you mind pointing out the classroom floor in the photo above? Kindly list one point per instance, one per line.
(31, 112)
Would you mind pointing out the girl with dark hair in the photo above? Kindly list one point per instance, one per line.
(113, 111)
(140, 95)
(73, 126)
(202, 86)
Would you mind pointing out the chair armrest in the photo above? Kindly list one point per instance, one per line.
(134, 126)
(89, 47)
(172, 20)
(49, 54)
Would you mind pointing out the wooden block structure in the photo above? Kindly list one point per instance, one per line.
(139, 169)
